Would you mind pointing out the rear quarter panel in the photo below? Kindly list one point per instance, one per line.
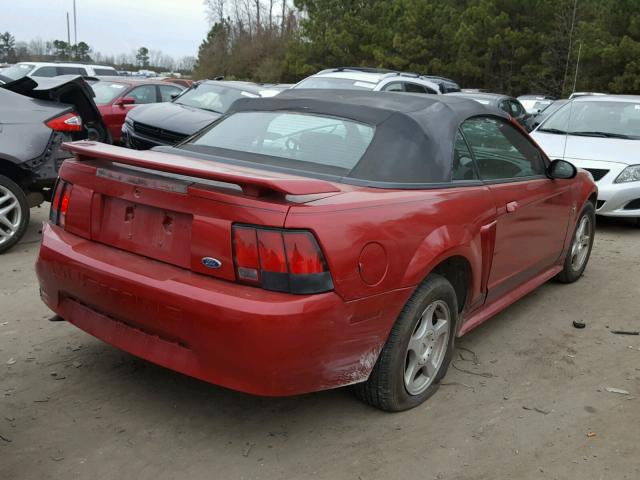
(398, 235)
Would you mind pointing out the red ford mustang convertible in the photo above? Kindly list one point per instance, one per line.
(314, 240)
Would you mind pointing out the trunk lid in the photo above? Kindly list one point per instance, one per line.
(172, 208)
(65, 90)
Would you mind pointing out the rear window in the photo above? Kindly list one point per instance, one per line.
(106, 72)
(17, 71)
(213, 97)
(45, 72)
(71, 71)
(105, 92)
(312, 143)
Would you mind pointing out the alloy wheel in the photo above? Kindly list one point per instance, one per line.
(427, 347)
(10, 215)
(581, 243)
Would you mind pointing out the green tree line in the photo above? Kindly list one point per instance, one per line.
(506, 46)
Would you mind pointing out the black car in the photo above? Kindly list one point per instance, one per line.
(505, 103)
(36, 116)
(169, 123)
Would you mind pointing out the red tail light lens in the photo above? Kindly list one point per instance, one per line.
(280, 260)
(60, 203)
(68, 122)
(245, 246)
(303, 255)
(271, 251)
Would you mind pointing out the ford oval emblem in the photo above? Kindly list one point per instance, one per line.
(211, 262)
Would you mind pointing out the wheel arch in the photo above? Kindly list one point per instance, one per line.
(457, 270)
(12, 171)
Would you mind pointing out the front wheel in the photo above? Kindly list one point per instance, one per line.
(418, 351)
(14, 213)
(581, 245)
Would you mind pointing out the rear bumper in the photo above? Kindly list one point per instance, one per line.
(240, 337)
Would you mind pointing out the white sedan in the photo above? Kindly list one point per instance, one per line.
(600, 134)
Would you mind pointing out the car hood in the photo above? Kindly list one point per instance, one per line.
(173, 117)
(588, 148)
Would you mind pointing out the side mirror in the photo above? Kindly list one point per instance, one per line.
(175, 95)
(561, 169)
(121, 102)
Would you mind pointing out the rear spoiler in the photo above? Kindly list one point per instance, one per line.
(253, 182)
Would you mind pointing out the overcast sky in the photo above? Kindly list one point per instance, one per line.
(111, 26)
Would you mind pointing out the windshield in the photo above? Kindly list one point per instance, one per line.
(613, 119)
(18, 71)
(106, 92)
(535, 106)
(335, 83)
(215, 98)
(311, 143)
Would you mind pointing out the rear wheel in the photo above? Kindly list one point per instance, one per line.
(581, 244)
(418, 350)
(14, 213)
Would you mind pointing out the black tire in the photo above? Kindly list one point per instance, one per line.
(23, 211)
(570, 272)
(385, 388)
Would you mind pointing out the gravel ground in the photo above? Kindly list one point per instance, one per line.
(534, 407)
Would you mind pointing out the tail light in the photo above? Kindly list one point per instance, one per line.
(68, 122)
(60, 203)
(280, 260)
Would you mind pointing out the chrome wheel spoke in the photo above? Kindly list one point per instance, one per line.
(410, 371)
(7, 209)
(441, 328)
(415, 345)
(431, 367)
(7, 223)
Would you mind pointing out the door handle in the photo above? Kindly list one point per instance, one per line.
(512, 207)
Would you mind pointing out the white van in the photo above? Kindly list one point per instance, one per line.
(46, 69)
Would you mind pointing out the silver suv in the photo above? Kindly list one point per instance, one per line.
(372, 79)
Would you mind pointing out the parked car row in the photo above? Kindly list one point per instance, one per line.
(52, 69)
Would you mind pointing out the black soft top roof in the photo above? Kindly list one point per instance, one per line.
(415, 133)
(371, 108)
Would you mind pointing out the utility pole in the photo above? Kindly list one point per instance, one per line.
(68, 31)
(566, 67)
(75, 24)
(575, 78)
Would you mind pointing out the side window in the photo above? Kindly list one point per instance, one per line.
(517, 108)
(394, 87)
(143, 94)
(71, 71)
(505, 107)
(501, 151)
(166, 91)
(414, 88)
(45, 72)
(463, 168)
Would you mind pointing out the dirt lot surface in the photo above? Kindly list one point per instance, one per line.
(536, 406)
